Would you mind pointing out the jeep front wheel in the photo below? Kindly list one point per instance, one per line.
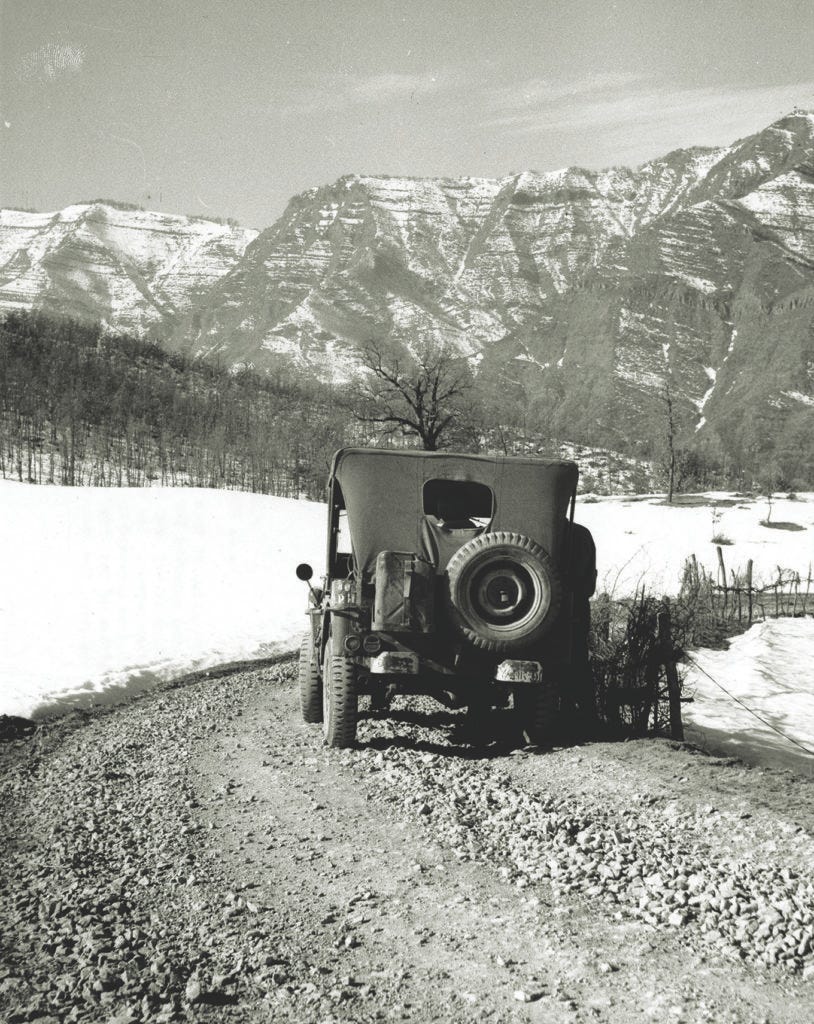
(340, 700)
(310, 683)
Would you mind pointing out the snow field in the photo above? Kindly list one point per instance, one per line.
(641, 540)
(770, 669)
(106, 591)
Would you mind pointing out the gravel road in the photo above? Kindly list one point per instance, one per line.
(196, 854)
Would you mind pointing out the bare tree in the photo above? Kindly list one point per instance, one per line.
(415, 397)
(671, 435)
(681, 462)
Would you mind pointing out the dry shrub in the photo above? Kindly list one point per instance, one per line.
(626, 663)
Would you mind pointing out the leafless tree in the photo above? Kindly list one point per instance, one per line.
(667, 395)
(418, 396)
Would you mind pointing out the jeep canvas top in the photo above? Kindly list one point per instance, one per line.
(388, 494)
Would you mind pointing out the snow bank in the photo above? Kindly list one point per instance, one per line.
(106, 591)
(770, 669)
(641, 541)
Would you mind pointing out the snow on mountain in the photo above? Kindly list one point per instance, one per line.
(784, 206)
(466, 260)
(748, 163)
(606, 266)
(345, 257)
(130, 268)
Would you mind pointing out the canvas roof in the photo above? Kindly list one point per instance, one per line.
(383, 492)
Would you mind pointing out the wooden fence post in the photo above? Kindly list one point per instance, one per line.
(666, 651)
(749, 587)
(722, 570)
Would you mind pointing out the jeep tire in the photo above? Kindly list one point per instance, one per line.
(504, 591)
(310, 682)
(535, 711)
(340, 699)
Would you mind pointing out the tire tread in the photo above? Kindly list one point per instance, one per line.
(340, 727)
(536, 711)
(310, 683)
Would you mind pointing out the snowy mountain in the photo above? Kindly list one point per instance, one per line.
(588, 289)
(476, 261)
(129, 268)
(584, 293)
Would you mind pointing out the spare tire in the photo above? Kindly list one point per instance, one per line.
(504, 591)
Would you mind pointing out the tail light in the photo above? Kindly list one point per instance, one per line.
(352, 643)
(372, 644)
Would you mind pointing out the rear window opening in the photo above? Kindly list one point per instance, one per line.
(459, 504)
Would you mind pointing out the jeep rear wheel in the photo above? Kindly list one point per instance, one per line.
(310, 683)
(535, 711)
(340, 699)
(504, 591)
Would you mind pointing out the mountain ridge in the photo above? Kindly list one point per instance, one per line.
(129, 268)
(587, 292)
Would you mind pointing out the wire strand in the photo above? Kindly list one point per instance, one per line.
(746, 707)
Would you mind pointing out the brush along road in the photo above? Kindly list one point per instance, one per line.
(199, 854)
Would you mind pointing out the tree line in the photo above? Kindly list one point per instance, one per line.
(82, 407)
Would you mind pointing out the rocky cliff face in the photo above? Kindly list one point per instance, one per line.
(129, 268)
(472, 261)
(592, 293)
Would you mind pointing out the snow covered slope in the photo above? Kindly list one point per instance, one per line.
(129, 268)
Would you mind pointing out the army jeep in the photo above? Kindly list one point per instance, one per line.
(462, 577)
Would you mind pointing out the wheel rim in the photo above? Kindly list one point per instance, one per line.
(507, 594)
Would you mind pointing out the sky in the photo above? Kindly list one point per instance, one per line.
(231, 107)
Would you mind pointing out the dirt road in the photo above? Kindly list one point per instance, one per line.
(197, 854)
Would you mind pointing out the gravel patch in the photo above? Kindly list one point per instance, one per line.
(637, 862)
(119, 903)
(111, 900)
